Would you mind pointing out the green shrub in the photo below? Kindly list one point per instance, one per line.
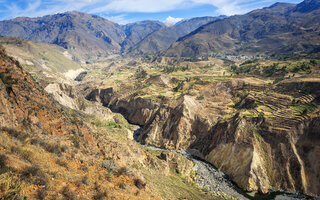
(248, 62)
(67, 193)
(261, 115)
(243, 69)
(140, 73)
(8, 81)
(112, 124)
(110, 165)
(278, 79)
(268, 71)
(139, 183)
(179, 86)
(314, 61)
(227, 62)
(122, 171)
(200, 97)
(147, 85)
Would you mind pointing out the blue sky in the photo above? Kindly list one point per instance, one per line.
(126, 11)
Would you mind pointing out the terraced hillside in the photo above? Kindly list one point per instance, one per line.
(247, 118)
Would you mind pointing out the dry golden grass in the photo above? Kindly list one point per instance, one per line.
(72, 174)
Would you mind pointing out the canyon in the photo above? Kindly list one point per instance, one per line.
(209, 108)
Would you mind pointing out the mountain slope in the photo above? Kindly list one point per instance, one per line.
(46, 62)
(161, 39)
(135, 32)
(83, 34)
(86, 36)
(279, 29)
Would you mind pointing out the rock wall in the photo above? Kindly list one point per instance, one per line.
(136, 110)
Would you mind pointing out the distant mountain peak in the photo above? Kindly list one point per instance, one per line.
(281, 4)
(170, 21)
(278, 7)
(307, 6)
(273, 30)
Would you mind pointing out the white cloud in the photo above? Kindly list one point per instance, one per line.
(225, 7)
(232, 7)
(30, 7)
(120, 19)
(145, 6)
(171, 20)
(35, 8)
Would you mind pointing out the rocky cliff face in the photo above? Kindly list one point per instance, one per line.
(135, 109)
(275, 150)
(259, 159)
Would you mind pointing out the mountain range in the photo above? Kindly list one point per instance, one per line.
(91, 37)
(161, 39)
(281, 29)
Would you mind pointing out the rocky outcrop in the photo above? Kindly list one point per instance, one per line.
(136, 110)
(187, 120)
(176, 127)
(67, 96)
(57, 91)
(258, 159)
(81, 76)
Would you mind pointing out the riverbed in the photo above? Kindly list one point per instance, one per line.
(210, 179)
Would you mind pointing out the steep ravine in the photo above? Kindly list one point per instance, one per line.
(210, 179)
(206, 175)
(256, 152)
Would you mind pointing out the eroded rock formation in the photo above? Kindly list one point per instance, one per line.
(275, 149)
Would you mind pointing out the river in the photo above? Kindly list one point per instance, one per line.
(212, 180)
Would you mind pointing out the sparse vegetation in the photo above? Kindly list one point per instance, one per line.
(303, 109)
(278, 79)
(200, 97)
(8, 81)
(139, 183)
(239, 96)
(110, 165)
(10, 186)
(141, 73)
